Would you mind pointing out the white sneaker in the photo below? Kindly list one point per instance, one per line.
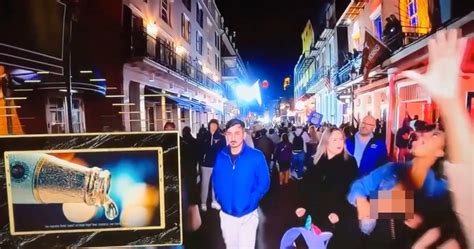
(204, 207)
(216, 206)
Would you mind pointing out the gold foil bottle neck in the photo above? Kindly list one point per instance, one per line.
(97, 189)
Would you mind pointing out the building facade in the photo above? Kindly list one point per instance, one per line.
(328, 73)
(135, 66)
(385, 95)
(315, 72)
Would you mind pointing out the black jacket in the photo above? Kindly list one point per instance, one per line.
(324, 190)
(189, 160)
(265, 145)
(209, 152)
(400, 142)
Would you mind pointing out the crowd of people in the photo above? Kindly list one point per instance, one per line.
(348, 184)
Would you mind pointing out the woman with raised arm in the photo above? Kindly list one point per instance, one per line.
(442, 82)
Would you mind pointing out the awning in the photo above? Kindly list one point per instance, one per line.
(186, 103)
(24, 79)
(182, 101)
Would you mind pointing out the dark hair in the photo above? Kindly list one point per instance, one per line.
(420, 126)
(284, 138)
(347, 131)
(264, 132)
(233, 122)
(186, 131)
(271, 131)
(213, 121)
(169, 124)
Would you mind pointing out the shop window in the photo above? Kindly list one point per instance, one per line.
(56, 115)
(378, 27)
(199, 42)
(199, 15)
(78, 124)
(185, 28)
(164, 11)
(187, 3)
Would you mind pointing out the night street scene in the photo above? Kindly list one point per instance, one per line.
(238, 124)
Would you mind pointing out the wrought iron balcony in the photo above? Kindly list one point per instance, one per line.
(408, 35)
(157, 50)
(316, 78)
(300, 92)
(344, 73)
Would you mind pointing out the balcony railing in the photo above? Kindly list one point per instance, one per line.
(404, 38)
(317, 76)
(301, 91)
(230, 72)
(238, 70)
(157, 50)
(344, 73)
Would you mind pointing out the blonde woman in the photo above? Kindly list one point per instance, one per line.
(325, 187)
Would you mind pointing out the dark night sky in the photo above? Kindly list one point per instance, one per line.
(269, 37)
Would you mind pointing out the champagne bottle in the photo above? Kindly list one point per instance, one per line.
(39, 178)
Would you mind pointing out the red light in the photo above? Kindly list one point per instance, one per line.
(265, 84)
(467, 65)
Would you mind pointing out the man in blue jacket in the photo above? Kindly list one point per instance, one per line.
(370, 152)
(240, 180)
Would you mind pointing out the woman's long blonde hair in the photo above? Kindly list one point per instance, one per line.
(313, 135)
(322, 147)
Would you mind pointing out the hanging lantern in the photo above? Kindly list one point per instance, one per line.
(265, 84)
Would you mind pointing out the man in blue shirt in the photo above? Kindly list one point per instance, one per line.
(240, 180)
(370, 152)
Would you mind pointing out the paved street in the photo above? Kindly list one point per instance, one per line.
(276, 216)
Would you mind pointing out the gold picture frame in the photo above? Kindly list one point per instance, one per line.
(11, 210)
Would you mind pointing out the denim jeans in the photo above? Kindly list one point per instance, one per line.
(298, 163)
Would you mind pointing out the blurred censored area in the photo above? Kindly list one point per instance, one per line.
(392, 204)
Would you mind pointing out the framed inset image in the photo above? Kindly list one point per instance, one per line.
(88, 190)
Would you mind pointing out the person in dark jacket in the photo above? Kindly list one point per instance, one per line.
(211, 144)
(264, 144)
(402, 139)
(240, 180)
(284, 156)
(189, 187)
(370, 152)
(325, 187)
(201, 133)
(189, 161)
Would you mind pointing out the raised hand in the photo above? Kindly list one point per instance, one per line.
(333, 218)
(445, 54)
(300, 212)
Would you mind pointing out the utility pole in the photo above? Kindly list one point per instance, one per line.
(8, 111)
(67, 63)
